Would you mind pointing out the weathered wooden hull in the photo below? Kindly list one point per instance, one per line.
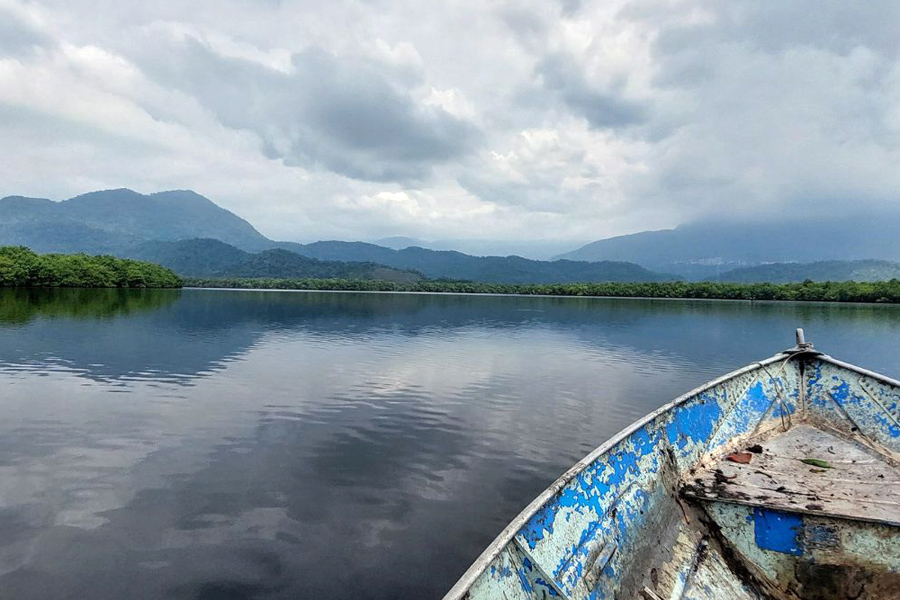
(634, 520)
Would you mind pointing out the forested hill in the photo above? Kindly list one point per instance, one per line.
(110, 221)
(212, 258)
(358, 260)
(448, 264)
(125, 223)
(829, 270)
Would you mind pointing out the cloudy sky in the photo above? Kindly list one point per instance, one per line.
(558, 120)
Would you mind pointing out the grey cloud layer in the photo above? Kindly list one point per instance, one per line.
(353, 116)
(17, 36)
(561, 76)
(554, 118)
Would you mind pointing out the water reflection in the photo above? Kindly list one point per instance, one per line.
(284, 445)
(180, 335)
(20, 306)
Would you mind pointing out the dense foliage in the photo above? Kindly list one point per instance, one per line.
(20, 267)
(829, 291)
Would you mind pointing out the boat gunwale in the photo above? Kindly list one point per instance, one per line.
(506, 536)
(860, 371)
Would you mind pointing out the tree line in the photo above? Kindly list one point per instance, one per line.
(808, 291)
(21, 267)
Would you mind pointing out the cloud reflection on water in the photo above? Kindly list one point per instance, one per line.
(284, 445)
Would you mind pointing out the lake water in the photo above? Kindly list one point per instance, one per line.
(234, 444)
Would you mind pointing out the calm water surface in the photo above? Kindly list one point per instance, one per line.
(229, 444)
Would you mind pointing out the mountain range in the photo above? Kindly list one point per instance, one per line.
(707, 249)
(214, 258)
(526, 248)
(158, 226)
(192, 235)
(826, 270)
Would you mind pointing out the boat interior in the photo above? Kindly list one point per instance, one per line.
(813, 513)
(779, 481)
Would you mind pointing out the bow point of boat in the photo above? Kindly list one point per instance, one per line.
(779, 481)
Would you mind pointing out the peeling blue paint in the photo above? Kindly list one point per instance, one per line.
(609, 501)
(778, 531)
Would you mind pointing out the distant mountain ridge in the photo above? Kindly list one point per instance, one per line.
(178, 229)
(450, 264)
(110, 220)
(526, 248)
(701, 250)
(213, 258)
(829, 270)
(122, 222)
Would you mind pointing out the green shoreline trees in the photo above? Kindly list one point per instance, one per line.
(829, 291)
(21, 267)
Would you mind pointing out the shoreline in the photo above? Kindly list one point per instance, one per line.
(868, 293)
(560, 296)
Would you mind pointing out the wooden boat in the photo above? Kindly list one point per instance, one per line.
(777, 481)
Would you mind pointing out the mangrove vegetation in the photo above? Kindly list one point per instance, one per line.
(21, 267)
(810, 291)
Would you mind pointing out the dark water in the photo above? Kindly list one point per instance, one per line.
(212, 444)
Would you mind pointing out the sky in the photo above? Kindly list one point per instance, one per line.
(560, 121)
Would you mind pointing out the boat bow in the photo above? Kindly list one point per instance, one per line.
(630, 520)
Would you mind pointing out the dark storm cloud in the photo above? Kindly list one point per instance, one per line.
(561, 76)
(354, 116)
(359, 123)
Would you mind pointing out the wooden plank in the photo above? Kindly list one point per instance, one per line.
(860, 484)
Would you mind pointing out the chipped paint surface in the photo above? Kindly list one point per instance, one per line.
(614, 523)
(845, 399)
(809, 542)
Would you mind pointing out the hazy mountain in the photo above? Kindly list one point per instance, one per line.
(212, 258)
(111, 220)
(456, 265)
(399, 242)
(533, 249)
(125, 223)
(830, 270)
(706, 249)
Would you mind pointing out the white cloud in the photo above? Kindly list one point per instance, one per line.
(529, 119)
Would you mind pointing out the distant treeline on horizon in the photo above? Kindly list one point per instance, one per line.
(807, 291)
(21, 267)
